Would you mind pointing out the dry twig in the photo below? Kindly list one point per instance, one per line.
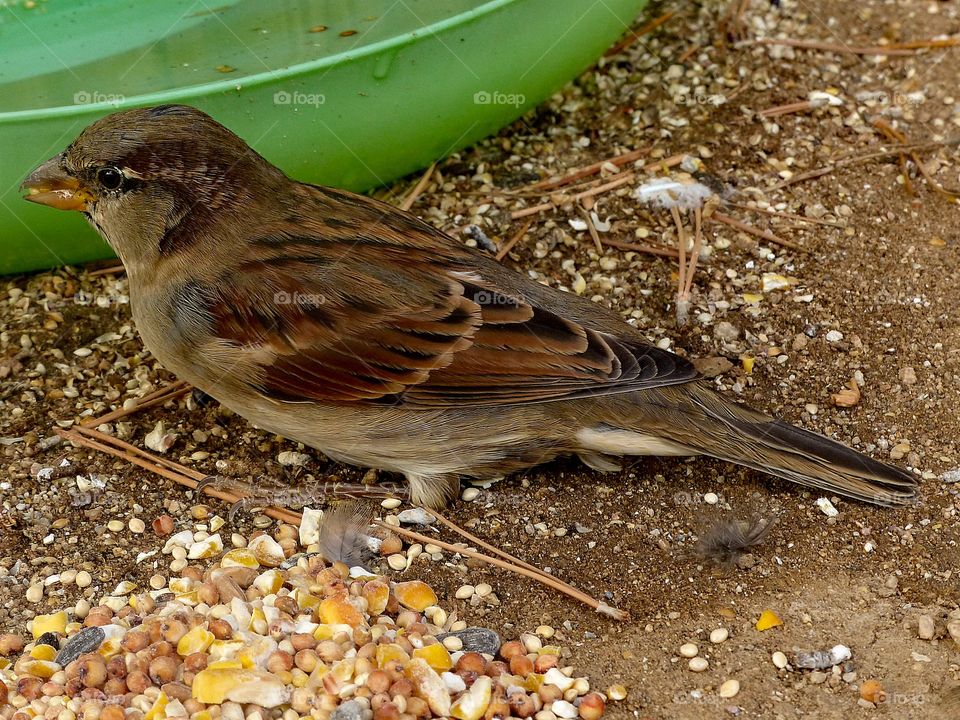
(755, 231)
(109, 270)
(418, 189)
(634, 35)
(157, 397)
(836, 47)
(517, 236)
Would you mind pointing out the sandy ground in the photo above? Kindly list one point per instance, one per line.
(880, 269)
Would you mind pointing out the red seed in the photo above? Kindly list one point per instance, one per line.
(163, 525)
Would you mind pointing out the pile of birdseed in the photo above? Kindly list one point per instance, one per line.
(263, 633)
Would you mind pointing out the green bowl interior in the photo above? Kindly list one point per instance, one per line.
(58, 55)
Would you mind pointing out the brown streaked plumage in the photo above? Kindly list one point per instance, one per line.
(355, 328)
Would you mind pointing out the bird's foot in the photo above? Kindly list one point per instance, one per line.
(261, 495)
(433, 491)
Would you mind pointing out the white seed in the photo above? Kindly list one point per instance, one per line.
(729, 689)
(390, 504)
(689, 650)
(532, 644)
(617, 692)
(465, 591)
(545, 631)
(483, 589)
(115, 526)
(779, 659)
(711, 498)
(83, 579)
(453, 643)
(397, 561)
(136, 525)
(81, 608)
(719, 635)
(698, 664)
(470, 494)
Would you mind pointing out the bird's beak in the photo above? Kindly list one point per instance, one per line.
(50, 185)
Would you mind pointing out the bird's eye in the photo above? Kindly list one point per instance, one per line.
(110, 177)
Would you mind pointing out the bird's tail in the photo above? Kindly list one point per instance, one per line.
(692, 419)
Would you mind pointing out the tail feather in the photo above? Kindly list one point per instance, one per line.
(694, 419)
(811, 459)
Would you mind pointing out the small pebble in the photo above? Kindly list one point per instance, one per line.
(35, 593)
(926, 629)
(470, 494)
(475, 639)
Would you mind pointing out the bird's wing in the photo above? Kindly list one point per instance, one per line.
(370, 305)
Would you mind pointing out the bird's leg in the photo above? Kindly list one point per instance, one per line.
(695, 252)
(683, 299)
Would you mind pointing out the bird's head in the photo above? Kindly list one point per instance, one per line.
(138, 174)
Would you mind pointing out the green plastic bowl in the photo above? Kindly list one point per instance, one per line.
(347, 93)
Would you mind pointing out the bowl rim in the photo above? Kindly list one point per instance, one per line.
(256, 79)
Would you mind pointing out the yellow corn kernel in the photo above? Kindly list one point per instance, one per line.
(376, 593)
(338, 610)
(196, 640)
(239, 557)
(768, 619)
(55, 623)
(436, 656)
(386, 653)
(158, 709)
(416, 595)
(43, 652)
(269, 582)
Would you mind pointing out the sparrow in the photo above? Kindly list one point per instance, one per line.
(353, 327)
